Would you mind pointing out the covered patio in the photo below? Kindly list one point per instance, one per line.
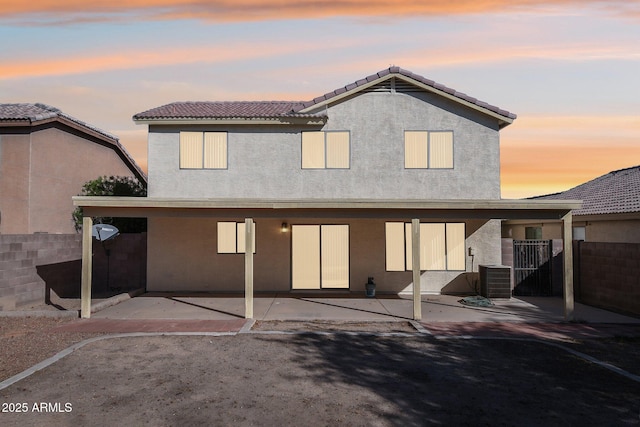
(413, 211)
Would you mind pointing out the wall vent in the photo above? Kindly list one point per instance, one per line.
(383, 87)
(393, 85)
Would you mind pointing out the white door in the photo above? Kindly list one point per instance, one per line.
(320, 256)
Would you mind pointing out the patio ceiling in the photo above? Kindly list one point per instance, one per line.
(319, 208)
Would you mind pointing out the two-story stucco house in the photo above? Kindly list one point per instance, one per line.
(394, 177)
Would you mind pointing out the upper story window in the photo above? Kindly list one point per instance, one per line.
(325, 150)
(428, 149)
(203, 150)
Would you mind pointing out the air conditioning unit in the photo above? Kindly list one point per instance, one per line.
(495, 281)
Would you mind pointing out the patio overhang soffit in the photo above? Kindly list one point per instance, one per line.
(344, 208)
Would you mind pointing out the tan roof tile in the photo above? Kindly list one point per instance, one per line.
(615, 192)
(273, 109)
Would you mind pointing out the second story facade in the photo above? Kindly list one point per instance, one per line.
(392, 135)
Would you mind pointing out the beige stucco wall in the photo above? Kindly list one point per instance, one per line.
(182, 256)
(623, 231)
(599, 230)
(550, 230)
(14, 184)
(41, 171)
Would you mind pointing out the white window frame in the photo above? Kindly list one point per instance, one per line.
(205, 141)
(327, 160)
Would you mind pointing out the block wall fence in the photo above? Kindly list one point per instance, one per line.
(31, 265)
(605, 275)
(609, 275)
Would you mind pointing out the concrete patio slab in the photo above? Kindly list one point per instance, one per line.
(162, 306)
(344, 307)
(312, 308)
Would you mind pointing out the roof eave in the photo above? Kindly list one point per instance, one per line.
(233, 121)
(502, 120)
(14, 122)
(464, 204)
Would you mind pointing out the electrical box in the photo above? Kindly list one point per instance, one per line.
(495, 281)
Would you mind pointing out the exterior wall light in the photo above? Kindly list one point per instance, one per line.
(285, 227)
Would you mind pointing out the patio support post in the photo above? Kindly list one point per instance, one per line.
(248, 268)
(415, 260)
(87, 262)
(567, 230)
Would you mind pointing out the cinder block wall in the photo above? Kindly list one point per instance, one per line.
(20, 254)
(507, 256)
(29, 263)
(610, 275)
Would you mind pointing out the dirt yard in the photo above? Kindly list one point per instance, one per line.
(26, 341)
(316, 379)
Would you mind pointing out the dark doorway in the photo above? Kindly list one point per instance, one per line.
(532, 267)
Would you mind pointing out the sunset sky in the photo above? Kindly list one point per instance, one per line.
(570, 69)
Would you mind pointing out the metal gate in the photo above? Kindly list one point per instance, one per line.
(532, 260)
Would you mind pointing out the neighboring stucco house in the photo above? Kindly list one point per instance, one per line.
(393, 176)
(610, 211)
(607, 234)
(45, 158)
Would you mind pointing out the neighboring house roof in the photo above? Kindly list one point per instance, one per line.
(310, 109)
(35, 114)
(613, 193)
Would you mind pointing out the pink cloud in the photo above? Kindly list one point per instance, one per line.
(257, 10)
(130, 59)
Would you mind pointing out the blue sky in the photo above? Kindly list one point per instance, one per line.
(569, 69)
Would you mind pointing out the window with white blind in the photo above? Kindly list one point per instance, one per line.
(428, 149)
(203, 150)
(326, 150)
(442, 246)
(231, 238)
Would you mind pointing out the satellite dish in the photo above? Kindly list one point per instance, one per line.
(104, 232)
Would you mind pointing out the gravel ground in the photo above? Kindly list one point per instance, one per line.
(312, 379)
(26, 341)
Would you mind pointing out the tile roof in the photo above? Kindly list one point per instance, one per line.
(612, 193)
(38, 112)
(224, 109)
(416, 77)
(279, 109)
(31, 112)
